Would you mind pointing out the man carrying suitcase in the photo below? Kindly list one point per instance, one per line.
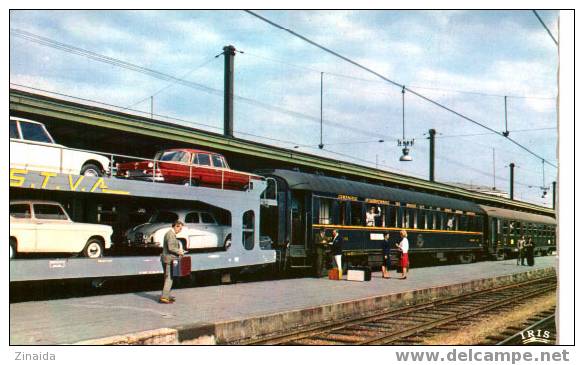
(171, 250)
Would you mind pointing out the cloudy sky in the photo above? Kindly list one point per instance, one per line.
(467, 60)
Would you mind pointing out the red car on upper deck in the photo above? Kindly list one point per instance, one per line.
(189, 167)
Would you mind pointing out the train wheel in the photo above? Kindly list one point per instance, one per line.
(465, 258)
(93, 249)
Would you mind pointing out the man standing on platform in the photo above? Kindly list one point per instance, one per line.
(385, 266)
(320, 243)
(171, 250)
(521, 251)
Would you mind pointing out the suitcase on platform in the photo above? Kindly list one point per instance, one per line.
(333, 274)
(181, 266)
(359, 274)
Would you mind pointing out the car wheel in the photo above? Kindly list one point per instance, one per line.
(227, 243)
(192, 182)
(182, 245)
(93, 249)
(90, 169)
(12, 248)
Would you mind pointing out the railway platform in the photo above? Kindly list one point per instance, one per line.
(232, 313)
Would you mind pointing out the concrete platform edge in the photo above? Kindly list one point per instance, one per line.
(248, 328)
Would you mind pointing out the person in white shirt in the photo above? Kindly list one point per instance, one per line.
(371, 215)
(404, 247)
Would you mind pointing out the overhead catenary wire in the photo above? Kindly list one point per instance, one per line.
(170, 84)
(159, 75)
(485, 134)
(546, 28)
(351, 77)
(367, 69)
(175, 80)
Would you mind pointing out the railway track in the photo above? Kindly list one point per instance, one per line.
(537, 324)
(409, 325)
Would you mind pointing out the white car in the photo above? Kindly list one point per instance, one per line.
(45, 227)
(201, 230)
(33, 148)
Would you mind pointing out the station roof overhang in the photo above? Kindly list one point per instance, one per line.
(34, 104)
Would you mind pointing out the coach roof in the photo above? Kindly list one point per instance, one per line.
(317, 183)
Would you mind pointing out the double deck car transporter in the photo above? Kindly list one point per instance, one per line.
(243, 207)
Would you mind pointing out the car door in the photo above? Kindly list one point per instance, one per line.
(224, 178)
(206, 171)
(23, 227)
(55, 232)
(36, 150)
(212, 230)
(195, 231)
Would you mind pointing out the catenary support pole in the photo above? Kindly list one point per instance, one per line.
(229, 53)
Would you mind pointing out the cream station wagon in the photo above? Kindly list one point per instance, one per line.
(38, 226)
(33, 148)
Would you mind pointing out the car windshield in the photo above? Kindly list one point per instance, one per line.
(164, 217)
(175, 156)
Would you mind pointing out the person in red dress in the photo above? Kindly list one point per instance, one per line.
(404, 247)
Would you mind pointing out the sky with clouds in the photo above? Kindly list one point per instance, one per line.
(467, 60)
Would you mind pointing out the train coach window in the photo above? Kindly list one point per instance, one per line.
(411, 218)
(391, 216)
(422, 219)
(463, 223)
(248, 229)
(324, 211)
(357, 214)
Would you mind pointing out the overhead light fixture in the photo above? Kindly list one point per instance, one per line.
(406, 155)
(405, 143)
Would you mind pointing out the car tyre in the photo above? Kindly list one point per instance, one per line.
(182, 244)
(90, 169)
(13, 251)
(193, 182)
(93, 249)
(227, 243)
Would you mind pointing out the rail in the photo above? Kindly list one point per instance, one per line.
(388, 326)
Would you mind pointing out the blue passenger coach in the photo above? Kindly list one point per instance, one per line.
(439, 227)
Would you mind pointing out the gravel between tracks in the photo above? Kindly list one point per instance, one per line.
(477, 332)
